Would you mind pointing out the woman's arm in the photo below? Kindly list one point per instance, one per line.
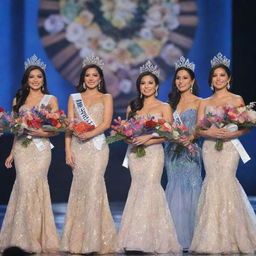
(9, 159)
(70, 157)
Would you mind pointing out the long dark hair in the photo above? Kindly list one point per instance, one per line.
(80, 87)
(226, 69)
(174, 95)
(23, 92)
(138, 102)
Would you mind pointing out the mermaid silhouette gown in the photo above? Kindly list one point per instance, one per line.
(146, 224)
(225, 222)
(89, 226)
(29, 221)
(184, 183)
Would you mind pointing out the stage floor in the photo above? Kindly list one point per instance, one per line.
(59, 210)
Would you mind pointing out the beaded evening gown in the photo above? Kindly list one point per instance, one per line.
(29, 221)
(225, 222)
(147, 224)
(184, 183)
(89, 226)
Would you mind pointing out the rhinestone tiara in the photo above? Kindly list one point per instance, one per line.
(34, 61)
(220, 59)
(92, 59)
(150, 67)
(182, 62)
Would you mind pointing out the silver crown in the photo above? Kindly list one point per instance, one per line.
(34, 61)
(220, 59)
(150, 67)
(182, 62)
(92, 59)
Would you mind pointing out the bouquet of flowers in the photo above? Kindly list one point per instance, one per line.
(6, 122)
(178, 132)
(134, 127)
(79, 127)
(224, 116)
(38, 118)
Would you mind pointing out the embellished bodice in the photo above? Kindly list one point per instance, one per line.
(189, 119)
(95, 111)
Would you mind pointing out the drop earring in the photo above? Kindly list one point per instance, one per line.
(191, 88)
(156, 92)
(84, 85)
(212, 88)
(228, 86)
(99, 86)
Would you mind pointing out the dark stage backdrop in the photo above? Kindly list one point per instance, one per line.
(197, 29)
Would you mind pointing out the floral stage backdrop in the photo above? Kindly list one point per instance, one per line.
(124, 33)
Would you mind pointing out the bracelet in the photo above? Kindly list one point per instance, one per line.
(155, 134)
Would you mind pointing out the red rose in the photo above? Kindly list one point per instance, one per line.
(150, 123)
(1, 110)
(161, 121)
(35, 123)
(82, 127)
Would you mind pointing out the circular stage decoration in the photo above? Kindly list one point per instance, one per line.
(124, 33)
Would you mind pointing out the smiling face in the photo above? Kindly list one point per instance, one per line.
(220, 79)
(92, 78)
(183, 80)
(35, 79)
(148, 86)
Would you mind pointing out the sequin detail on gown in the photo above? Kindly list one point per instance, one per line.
(146, 223)
(184, 183)
(226, 222)
(29, 221)
(89, 226)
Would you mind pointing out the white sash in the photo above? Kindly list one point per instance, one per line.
(38, 142)
(98, 140)
(237, 144)
(177, 118)
(126, 159)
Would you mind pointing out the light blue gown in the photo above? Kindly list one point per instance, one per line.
(184, 183)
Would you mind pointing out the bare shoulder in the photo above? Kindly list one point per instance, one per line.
(237, 99)
(204, 102)
(53, 99)
(197, 100)
(107, 96)
(70, 98)
(128, 109)
(165, 105)
(14, 101)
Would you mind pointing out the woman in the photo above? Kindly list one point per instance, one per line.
(29, 222)
(226, 222)
(146, 224)
(89, 226)
(183, 169)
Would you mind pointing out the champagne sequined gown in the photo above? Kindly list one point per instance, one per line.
(89, 226)
(225, 222)
(147, 224)
(29, 221)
